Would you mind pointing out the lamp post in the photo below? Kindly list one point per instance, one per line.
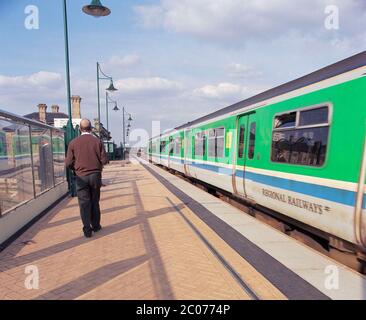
(95, 9)
(67, 58)
(124, 112)
(111, 88)
(107, 100)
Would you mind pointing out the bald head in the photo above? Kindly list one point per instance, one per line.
(85, 125)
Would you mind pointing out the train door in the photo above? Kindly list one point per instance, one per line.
(150, 151)
(170, 150)
(187, 151)
(245, 151)
(161, 150)
(360, 212)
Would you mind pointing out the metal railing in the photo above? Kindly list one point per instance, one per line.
(32, 158)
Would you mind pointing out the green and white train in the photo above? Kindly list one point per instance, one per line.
(298, 149)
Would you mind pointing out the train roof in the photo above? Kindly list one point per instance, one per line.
(346, 65)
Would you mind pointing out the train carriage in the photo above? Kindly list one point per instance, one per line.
(297, 149)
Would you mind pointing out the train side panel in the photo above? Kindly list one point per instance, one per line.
(212, 151)
(322, 196)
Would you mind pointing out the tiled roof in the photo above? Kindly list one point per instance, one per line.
(50, 116)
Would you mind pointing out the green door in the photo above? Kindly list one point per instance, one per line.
(170, 150)
(245, 151)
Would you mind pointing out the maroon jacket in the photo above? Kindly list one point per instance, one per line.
(86, 155)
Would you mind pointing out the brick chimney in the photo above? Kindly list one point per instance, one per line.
(76, 112)
(42, 112)
(55, 108)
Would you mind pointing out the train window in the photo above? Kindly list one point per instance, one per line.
(216, 143)
(251, 148)
(306, 143)
(220, 142)
(287, 120)
(301, 146)
(200, 144)
(177, 145)
(189, 144)
(314, 116)
(162, 146)
(241, 141)
(212, 143)
(171, 146)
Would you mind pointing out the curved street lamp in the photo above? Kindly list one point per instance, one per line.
(124, 112)
(107, 100)
(111, 88)
(96, 9)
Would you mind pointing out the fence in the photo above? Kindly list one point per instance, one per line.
(31, 159)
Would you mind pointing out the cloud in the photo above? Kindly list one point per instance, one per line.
(237, 70)
(244, 20)
(33, 81)
(21, 94)
(146, 86)
(123, 61)
(150, 15)
(24, 92)
(223, 91)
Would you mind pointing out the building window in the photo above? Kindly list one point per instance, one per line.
(251, 148)
(305, 143)
(241, 141)
(200, 144)
(216, 143)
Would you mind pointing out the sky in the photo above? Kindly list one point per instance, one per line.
(172, 60)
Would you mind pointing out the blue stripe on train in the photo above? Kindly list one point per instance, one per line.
(327, 193)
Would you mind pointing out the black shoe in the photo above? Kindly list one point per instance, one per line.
(88, 234)
(96, 229)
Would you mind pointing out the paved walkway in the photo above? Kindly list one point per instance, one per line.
(146, 250)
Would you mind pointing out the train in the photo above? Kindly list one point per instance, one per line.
(298, 150)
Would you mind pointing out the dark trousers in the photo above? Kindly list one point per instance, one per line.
(88, 192)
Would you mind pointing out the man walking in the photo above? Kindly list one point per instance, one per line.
(86, 156)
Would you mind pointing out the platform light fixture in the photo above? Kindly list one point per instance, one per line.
(96, 9)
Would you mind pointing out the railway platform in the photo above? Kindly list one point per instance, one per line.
(164, 238)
